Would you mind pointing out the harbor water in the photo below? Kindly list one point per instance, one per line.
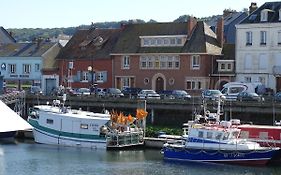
(29, 158)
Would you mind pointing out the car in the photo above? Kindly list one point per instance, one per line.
(249, 96)
(166, 94)
(212, 94)
(100, 92)
(114, 92)
(131, 92)
(83, 91)
(181, 94)
(148, 94)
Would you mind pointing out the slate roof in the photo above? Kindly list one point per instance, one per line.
(203, 40)
(90, 44)
(273, 16)
(25, 49)
(5, 37)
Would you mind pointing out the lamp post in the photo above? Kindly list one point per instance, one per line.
(91, 70)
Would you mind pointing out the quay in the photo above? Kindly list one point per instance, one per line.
(171, 112)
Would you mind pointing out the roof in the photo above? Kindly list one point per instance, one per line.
(228, 52)
(5, 37)
(203, 40)
(90, 44)
(273, 10)
(25, 49)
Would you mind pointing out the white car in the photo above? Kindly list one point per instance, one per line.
(148, 94)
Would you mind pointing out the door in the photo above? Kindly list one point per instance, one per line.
(159, 84)
(50, 85)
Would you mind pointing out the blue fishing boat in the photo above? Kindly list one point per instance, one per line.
(207, 139)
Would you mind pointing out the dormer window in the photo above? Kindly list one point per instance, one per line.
(264, 15)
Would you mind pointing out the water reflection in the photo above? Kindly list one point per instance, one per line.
(29, 159)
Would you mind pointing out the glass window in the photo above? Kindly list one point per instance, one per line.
(84, 126)
(249, 38)
(12, 68)
(263, 38)
(218, 136)
(37, 67)
(50, 121)
(84, 76)
(200, 134)
(209, 135)
(195, 62)
(126, 62)
(26, 68)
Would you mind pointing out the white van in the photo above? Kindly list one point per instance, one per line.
(232, 89)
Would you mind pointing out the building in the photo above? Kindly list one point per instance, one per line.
(85, 61)
(22, 64)
(164, 56)
(258, 43)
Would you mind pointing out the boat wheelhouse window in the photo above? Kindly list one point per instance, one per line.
(235, 134)
(225, 136)
(200, 134)
(263, 135)
(84, 126)
(218, 136)
(209, 135)
(50, 121)
(244, 134)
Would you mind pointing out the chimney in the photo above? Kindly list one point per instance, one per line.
(220, 31)
(253, 7)
(122, 26)
(191, 23)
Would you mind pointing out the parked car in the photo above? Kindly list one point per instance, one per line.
(114, 92)
(148, 94)
(83, 91)
(181, 94)
(166, 94)
(100, 92)
(249, 96)
(212, 94)
(131, 92)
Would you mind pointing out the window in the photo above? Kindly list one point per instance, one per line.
(49, 121)
(99, 76)
(26, 68)
(200, 134)
(279, 14)
(37, 67)
(84, 76)
(84, 126)
(12, 68)
(262, 80)
(195, 62)
(263, 38)
(263, 61)
(218, 136)
(264, 15)
(229, 66)
(248, 62)
(209, 135)
(126, 81)
(263, 135)
(249, 38)
(126, 62)
(190, 84)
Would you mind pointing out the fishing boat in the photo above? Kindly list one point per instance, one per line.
(211, 140)
(59, 125)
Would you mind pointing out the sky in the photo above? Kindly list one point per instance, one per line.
(72, 13)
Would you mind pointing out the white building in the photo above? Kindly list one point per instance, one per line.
(258, 46)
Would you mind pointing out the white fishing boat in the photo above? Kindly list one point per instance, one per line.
(59, 125)
(207, 139)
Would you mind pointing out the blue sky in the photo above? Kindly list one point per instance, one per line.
(72, 13)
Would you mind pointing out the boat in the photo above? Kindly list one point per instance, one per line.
(59, 125)
(207, 139)
(10, 123)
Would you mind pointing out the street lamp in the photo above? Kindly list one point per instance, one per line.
(91, 70)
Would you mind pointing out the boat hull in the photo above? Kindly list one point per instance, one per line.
(43, 137)
(245, 157)
(7, 135)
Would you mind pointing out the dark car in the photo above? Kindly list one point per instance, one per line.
(131, 92)
(181, 94)
(114, 92)
(249, 96)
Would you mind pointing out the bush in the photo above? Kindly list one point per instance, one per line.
(153, 131)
